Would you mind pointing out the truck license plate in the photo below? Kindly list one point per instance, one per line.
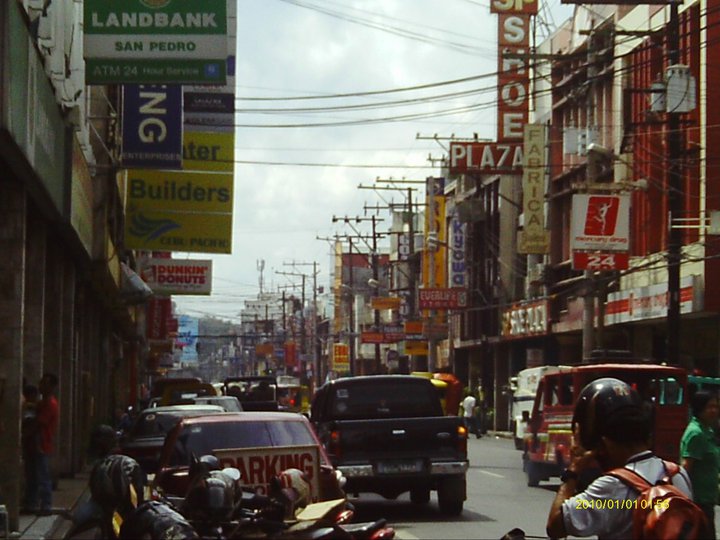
(399, 467)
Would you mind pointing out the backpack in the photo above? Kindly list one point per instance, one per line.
(663, 511)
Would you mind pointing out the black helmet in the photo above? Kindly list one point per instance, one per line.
(117, 483)
(598, 405)
(211, 498)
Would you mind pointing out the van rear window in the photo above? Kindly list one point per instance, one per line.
(378, 399)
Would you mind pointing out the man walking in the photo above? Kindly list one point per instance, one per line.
(468, 405)
(47, 422)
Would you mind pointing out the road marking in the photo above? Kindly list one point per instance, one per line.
(492, 474)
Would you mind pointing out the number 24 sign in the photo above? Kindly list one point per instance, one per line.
(600, 261)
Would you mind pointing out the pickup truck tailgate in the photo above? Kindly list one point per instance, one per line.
(372, 440)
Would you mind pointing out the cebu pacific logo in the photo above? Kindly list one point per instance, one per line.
(155, 4)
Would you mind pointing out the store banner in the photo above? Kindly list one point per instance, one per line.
(155, 41)
(179, 211)
(176, 276)
(600, 222)
(434, 257)
(152, 135)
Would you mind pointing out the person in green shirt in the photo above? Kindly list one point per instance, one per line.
(699, 453)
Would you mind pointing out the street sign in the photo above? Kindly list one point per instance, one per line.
(600, 222)
(385, 302)
(155, 41)
(435, 298)
(613, 260)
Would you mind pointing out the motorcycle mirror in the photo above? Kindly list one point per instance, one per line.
(233, 473)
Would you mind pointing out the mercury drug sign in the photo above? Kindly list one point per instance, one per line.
(155, 41)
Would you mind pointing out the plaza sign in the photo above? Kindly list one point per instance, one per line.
(160, 41)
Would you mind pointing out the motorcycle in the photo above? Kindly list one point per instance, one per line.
(218, 507)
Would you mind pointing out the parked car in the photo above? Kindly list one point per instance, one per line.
(146, 436)
(260, 444)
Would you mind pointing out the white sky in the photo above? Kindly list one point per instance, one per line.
(287, 48)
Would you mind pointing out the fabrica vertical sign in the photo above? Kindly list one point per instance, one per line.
(152, 126)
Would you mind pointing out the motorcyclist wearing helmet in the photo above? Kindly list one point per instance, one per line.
(611, 427)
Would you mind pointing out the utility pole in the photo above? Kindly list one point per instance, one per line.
(373, 259)
(432, 341)
(376, 312)
(588, 319)
(675, 203)
(351, 315)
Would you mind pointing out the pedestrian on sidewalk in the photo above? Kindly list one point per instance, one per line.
(30, 439)
(469, 404)
(699, 453)
(48, 413)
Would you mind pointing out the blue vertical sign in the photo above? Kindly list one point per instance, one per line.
(152, 126)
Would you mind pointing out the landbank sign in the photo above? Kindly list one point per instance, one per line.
(179, 211)
(155, 41)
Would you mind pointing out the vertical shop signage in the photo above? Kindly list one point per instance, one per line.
(435, 223)
(457, 271)
(534, 237)
(152, 126)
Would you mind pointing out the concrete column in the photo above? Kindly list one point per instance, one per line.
(52, 344)
(13, 227)
(72, 452)
(34, 322)
(68, 433)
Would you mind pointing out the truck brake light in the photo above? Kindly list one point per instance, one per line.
(334, 444)
(462, 439)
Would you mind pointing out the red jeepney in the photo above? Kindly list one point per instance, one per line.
(549, 436)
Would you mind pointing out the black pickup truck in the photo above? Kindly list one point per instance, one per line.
(387, 435)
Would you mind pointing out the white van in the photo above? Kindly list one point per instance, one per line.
(524, 387)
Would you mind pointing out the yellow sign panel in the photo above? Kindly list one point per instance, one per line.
(416, 347)
(179, 211)
(208, 151)
(341, 360)
(534, 238)
(178, 231)
(437, 257)
(385, 302)
(183, 191)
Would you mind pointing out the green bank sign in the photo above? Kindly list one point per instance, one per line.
(155, 41)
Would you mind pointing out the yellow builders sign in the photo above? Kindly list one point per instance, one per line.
(179, 211)
(208, 151)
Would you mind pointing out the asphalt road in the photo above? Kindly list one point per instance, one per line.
(498, 500)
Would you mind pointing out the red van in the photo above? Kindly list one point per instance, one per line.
(548, 436)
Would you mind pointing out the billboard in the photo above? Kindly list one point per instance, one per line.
(187, 338)
(455, 298)
(155, 41)
(513, 75)
(485, 157)
(179, 211)
(435, 222)
(208, 151)
(152, 126)
(175, 276)
(600, 222)
(534, 238)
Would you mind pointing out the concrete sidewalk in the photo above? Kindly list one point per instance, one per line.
(69, 493)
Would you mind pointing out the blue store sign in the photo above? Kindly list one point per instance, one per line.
(152, 126)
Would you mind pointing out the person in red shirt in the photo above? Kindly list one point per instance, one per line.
(47, 421)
